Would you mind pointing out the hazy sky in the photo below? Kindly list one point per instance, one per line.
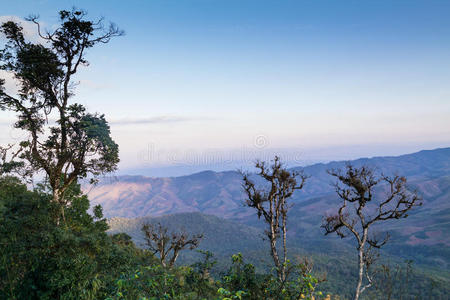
(317, 79)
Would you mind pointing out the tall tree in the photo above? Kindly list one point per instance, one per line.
(64, 140)
(363, 206)
(271, 202)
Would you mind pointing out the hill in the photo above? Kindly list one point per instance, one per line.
(225, 237)
(220, 194)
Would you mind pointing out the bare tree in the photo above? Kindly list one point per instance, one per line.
(392, 281)
(272, 204)
(160, 241)
(360, 209)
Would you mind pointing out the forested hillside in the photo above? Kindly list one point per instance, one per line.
(331, 258)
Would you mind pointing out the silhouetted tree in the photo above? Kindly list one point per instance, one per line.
(360, 209)
(159, 241)
(64, 140)
(271, 202)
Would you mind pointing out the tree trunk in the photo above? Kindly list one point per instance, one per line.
(174, 258)
(55, 195)
(361, 263)
(273, 248)
(361, 272)
(162, 253)
(56, 199)
(284, 249)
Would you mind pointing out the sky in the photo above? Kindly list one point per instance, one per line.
(216, 84)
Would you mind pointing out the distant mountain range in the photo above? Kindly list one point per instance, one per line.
(220, 194)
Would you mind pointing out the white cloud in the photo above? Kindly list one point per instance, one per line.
(11, 84)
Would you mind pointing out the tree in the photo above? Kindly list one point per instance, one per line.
(272, 204)
(392, 281)
(198, 276)
(356, 187)
(242, 277)
(159, 241)
(39, 260)
(65, 141)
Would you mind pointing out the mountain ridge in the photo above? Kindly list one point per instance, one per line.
(221, 194)
(441, 150)
(208, 191)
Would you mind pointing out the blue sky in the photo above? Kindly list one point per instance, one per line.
(321, 79)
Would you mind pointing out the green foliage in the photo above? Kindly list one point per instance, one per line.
(301, 284)
(243, 278)
(41, 260)
(158, 282)
(194, 282)
(227, 295)
(152, 282)
(242, 282)
(199, 277)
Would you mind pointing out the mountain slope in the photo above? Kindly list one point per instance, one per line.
(220, 194)
(137, 196)
(221, 235)
(224, 238)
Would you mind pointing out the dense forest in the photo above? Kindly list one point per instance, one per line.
(54, 245)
